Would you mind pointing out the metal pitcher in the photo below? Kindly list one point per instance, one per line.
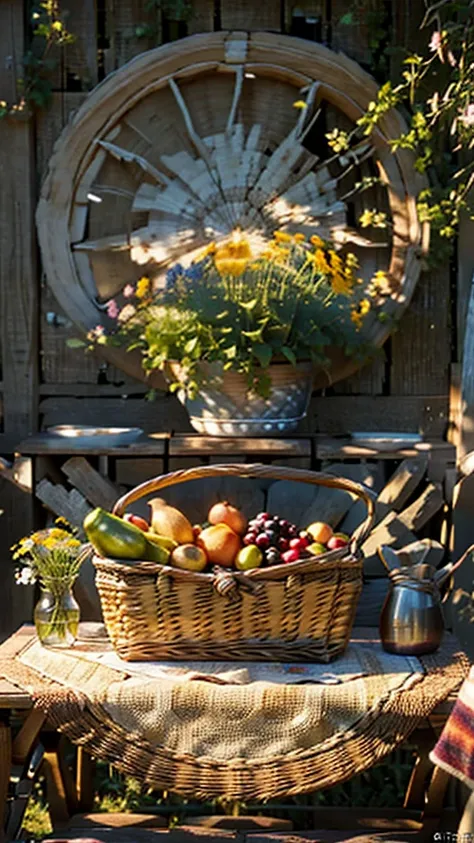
(411, 621)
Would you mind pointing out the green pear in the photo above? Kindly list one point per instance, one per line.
(249, 557)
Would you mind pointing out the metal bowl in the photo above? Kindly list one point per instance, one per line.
(98, 437)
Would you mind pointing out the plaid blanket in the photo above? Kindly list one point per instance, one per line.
(454, 751)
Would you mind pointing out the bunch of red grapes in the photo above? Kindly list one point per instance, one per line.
(277, 538)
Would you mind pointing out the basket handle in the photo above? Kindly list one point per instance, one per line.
(257, 471)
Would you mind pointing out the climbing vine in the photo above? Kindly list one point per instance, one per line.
(436, 90)
(49, 33)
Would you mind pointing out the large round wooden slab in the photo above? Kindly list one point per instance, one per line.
(191, 140)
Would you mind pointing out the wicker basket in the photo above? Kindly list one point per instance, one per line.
(293, 612)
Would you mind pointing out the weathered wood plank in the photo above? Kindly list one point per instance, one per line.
(242, 15)
(397, 530)
(403, 483)
(18, 271)
(401, 413)
(165, 414)
(16, 521)
(132, 472)
(466, 432)
(421, 352)
(181, 445)
(201, 18)
(132, 28)
(98, 490)
(69, 505)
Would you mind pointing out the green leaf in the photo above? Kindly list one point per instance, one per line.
(264, 354)
(249, 305)
(74, 342)
(191, 345)
(230, 352)
(347, 19)
(289, 354)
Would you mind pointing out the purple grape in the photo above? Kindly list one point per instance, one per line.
(272, 536)
(262, 541)
(263, 516)
(250, 538)
(292, 531)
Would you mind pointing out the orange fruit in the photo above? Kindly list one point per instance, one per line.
(320, 532)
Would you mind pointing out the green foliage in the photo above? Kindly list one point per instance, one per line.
(49, 34)
(244, 312)
(436, 89)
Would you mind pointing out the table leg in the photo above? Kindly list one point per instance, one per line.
(466, 826)
(5, 766)
(85, 769)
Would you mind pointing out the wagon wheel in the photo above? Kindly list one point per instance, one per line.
(194, 139)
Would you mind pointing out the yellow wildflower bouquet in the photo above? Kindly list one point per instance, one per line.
(291, 299)
(49, 556)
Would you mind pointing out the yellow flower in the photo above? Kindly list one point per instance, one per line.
(317, 241)
(320, 262)
(351, 261)
(301, 104)
(299, 237)
(233, 257)
(143, 287)
(356, 318)
(358, 312)
(282, 237)
(373, 217)
(340, 285)
(209, 250)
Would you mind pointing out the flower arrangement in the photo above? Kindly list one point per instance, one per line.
(53, 558)
(290, 301)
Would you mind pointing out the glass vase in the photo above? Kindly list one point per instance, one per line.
(57, 614)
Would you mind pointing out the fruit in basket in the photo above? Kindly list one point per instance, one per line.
(220, 543)
(320, 532)
(189, 558)
(161, 541)
(335, 543)
(344, 536)
(225, 513)
(170, 522)
(291, 555)
(248, 557)
(156, 553)
(273, 556)
(130, 518)
(114, 537)
(316, 548)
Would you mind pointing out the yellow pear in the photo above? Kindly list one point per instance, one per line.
(170, 522)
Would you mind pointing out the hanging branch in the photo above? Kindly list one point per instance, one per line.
(34, 88)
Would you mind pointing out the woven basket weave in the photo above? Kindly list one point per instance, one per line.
(293, 612)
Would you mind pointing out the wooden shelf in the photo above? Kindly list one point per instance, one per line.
(186, 445)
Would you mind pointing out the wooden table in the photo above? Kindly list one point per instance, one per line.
(422, 806)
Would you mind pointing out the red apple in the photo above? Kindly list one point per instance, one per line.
(137, 521)
(335, 543)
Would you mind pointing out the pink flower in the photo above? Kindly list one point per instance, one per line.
(112, 309)
(436, 41)
(451, 59)
(468, 115)
(128, 291)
